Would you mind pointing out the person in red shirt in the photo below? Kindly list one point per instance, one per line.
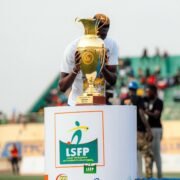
(14, 158)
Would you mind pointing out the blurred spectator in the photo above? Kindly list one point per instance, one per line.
(147, 72)
(141, 76)
(123, 92)
(177, 77)
(53, 98)
(165, 55)
(162, 84)
(14, 158)
(122, 70)
(3, 118)
(151, 79)
(144, 134)
(13, 116)
(157, 59)
(140, 92)
(166, 59)
(157, 71)
(154, 108)
(145, 54)
(130, 72)
(145, 59)
(157, 53)
(21, 118)
(176, 96)
(140, 73)
(127, 62)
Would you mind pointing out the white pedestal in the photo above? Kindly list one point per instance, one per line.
(104, 136)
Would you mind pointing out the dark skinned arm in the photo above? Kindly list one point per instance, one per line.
(109, 73)
(146, 124)
(67, 79)
(156, 114)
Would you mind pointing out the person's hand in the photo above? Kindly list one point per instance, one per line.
(149, 135)
(76, 68)
(146, 112)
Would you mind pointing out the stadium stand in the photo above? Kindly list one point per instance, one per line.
(164, 71)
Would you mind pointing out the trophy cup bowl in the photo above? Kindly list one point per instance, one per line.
(92, 52)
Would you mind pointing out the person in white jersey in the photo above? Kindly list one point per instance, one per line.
(71, 75)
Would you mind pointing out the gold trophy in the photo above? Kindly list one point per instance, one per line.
(92, 52)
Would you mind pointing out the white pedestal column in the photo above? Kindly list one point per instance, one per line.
(102, 138)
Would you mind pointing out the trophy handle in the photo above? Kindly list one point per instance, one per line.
(77, 19)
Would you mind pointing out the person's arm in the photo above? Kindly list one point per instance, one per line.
(144, 120)
(109, 73)
(109, 70)
(156, 114)
(146, 124)
(67, 79)
(158, 109)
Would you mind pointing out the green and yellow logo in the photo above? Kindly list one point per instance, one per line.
(75, 152)
(62, 177)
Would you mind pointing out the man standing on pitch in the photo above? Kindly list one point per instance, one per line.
(154, 107)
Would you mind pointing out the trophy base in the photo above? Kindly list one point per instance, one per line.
(90, 100)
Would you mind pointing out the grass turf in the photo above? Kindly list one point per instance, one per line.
(12, 177)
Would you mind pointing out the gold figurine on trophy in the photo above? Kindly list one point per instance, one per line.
(92, 52)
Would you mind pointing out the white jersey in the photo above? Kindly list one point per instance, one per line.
(69, 63)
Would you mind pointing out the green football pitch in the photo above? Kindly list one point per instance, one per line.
(11, 177)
